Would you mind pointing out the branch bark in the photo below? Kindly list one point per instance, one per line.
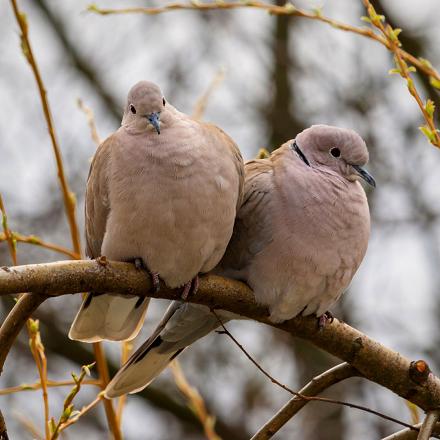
(15, 321)
(316, 386)
(411, 434)
(428, 425)
(373, 360)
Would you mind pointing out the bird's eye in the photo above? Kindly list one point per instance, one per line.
(132, 109)
(163, 101)
(335, 152)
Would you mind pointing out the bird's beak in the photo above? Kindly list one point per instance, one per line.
(365, 175)
(154, 119)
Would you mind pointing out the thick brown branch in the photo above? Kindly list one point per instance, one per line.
(373, 360)
(316, 386)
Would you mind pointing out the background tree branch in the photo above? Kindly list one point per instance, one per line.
(316, 386)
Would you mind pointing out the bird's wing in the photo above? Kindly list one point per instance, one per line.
(97, 206)
(253, 225)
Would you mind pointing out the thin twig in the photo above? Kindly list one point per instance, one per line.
(7, 233)
(316, 386)
(68, 407)
(37, 241)
(301, 396)
(68, 196)
(391, 35)
(202, 102)
(126, 348)
(29, 425)
(50, 384)
(387, 39)
(288, 9)
(83, 411)
(37, 349)
(35, 343)
(195, 401)
(91, 121)
(104, 376)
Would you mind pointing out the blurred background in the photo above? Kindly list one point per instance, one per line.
(281, 76)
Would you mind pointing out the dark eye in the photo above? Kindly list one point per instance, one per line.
(163, 101)
(335, 152)
(132, 109)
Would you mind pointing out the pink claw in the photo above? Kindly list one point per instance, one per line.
(190, 288)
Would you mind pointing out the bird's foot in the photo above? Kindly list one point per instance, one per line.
(102, 260)
(190, 288)
(324, 319)
(154, 276)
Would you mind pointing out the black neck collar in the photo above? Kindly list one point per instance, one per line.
(294, 146)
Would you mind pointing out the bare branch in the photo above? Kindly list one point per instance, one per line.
(91, 121)
(15, 321)
(37, 350)
(316, 386)
(50, 384)
(202, 102)
(195, 401)
(37, 241)
(387, 36)
(7, 234)
(68, 196)
(288, 9)
(104, 377)
(373, 360)
(410, 434)
(83, 411)
(302, 396)
(402, 68)
(428, 425)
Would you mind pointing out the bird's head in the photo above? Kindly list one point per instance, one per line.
(145, 103)
(339, 149)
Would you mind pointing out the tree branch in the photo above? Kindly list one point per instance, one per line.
(68, 196)
(373, 360)
(316, 386)
(15, 321)
(428, 425)
(411, 434)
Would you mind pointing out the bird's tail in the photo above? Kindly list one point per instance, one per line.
(109, 316)
(182, 324)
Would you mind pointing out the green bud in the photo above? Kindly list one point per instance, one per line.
(428, 133)
(430, 107)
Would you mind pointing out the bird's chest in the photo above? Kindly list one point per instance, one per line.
(327, 226)
(169, 180)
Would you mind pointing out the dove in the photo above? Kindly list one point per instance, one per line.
(162, 192)
(300, 235)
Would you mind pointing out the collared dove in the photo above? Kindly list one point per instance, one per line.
(299, 237)
(163, 191)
